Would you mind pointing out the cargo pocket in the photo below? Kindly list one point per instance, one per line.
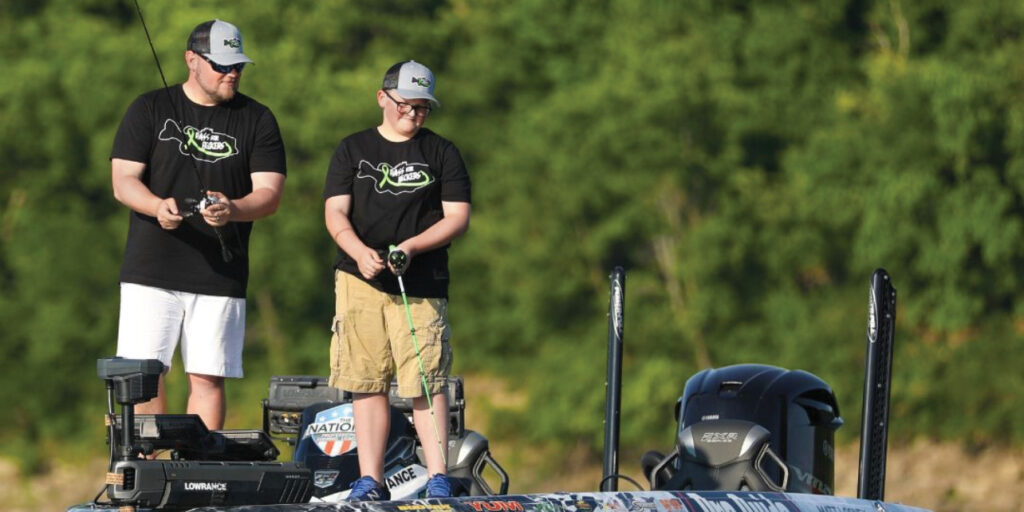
(440, 332)
(445, 367)
(336, 357)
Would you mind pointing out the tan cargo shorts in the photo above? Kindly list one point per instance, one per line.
(371, 342)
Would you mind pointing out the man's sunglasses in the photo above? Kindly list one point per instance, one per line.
(222, 69)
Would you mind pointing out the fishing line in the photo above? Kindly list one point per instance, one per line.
(399, 260)
(225, 253)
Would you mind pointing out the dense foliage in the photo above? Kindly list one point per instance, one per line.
(748, 163)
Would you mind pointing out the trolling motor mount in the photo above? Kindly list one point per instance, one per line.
(209, 468)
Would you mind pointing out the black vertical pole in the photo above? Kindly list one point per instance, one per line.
(613, 381)
(127, 420)
(127, 426)
(877, 379)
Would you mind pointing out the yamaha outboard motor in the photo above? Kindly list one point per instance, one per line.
(751, 428)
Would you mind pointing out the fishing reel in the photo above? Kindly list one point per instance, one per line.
(193, 206)
(398, 259)
(190, 207)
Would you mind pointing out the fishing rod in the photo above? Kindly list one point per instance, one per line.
(399, 260)
(204, 198)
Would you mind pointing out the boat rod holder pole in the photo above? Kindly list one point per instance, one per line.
(613, 381)
(877, 381)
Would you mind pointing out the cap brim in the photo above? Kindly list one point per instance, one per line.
(411, 94)
(227, 59)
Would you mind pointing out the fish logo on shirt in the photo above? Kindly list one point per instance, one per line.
(396, 179)
(205, 145)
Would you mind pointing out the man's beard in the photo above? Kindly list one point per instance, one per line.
(221, 97)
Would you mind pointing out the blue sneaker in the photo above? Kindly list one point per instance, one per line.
(439, 487)
(368, 489)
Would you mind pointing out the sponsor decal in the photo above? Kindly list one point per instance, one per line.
(837, 508)
(729, 502)
(815, 483)
(206, 486)
(574, 502)
(640, 505)
(325, 478)
(613, 505)
(617, 301)
(708, 417)
(421, 81)
(334, 430)
(496, 506)
(671, 504)
(234, 42)
(828, 450)
(872, 316)
(544, 507)
(396, 179)
(406, 482)
(719, 437)
(426, 506)
(203, 144)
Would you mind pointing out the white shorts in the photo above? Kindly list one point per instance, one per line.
(211, 328)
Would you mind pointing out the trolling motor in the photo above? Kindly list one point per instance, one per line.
(207, 468)
(129, 382)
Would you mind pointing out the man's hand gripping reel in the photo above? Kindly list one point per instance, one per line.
(195, 206)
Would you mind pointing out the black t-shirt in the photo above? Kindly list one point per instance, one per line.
(397, 189)
(226, 143)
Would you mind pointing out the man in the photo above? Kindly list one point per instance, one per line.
(186, 264)
(397, 183)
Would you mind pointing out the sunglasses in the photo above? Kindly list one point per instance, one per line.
(222, 69)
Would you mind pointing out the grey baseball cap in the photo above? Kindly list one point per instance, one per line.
(412, 80)
(218, 41)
